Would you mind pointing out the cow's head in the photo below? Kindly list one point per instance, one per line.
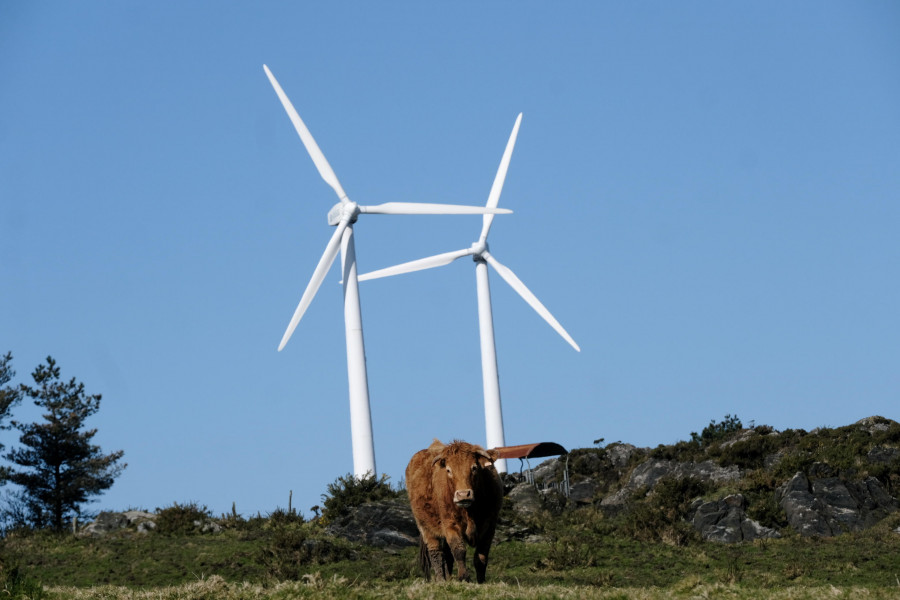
(465, 465)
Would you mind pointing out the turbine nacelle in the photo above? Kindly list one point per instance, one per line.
(478, 249)
(344, 209)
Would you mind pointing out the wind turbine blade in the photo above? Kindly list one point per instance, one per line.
(315, 153)
(331, 252)
(529, 297)
(497, 187)
(417, 265)
(415, 208)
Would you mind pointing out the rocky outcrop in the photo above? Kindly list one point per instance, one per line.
(725, 521)
(830, 506)
(384, 524)
(109, 522)
(649, 473)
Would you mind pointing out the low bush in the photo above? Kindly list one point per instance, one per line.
(717, 432)
(180, 519)
(288, 551)
(349, 491)
(14, 584)
(660, 516)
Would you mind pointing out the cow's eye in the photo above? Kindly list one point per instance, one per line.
(449, 472)
(474, 468)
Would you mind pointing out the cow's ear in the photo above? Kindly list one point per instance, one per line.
(441, 460)
(491, 455)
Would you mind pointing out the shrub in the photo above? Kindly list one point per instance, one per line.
(750, 453)
(287, 550)
(583, 462)
(350, 491)
(281, 518)
(715, 432)
(181, 519)
(680, 451)
(660, 517)
(14, 584)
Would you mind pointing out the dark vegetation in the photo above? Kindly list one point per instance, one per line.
(645, 543)
(56, 466)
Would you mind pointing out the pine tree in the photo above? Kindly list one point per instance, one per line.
(60, 467)
(9, 396)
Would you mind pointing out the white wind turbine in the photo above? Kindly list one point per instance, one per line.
(343, 215)
(493, 412)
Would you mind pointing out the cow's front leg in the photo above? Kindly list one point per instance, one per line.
(481, 561)
(458, 550)
(482, 550)
(448, 561)
(435, 552)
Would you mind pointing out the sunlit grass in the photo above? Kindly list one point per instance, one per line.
(315, 586)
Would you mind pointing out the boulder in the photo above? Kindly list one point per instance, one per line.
(546, 472)
(831, 505)
(620, 454)
(525, 499)
(584, 491)
(874, 425)
(649, 473)
(384, 524)
(882, 454)
(725, 521)
(108, 522)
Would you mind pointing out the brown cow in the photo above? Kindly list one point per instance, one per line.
(455, 493)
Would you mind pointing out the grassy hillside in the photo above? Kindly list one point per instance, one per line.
(579, 554)
(644, 551)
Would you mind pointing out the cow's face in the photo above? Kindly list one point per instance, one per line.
(464, 468)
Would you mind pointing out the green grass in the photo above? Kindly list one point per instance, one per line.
(232, 565)
(646, 551)
(216, 588)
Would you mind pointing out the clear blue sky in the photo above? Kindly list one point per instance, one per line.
(705, 194)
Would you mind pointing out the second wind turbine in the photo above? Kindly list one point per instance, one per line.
(493, 411)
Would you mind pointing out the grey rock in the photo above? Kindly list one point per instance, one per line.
(874, 425)
(208, 527)
(649, 473)
(553, 500)
(620, 454)
(831, 505)
(583, 492)
(546, 471)
(387, 524)
(742, 436)
(881, 454)
(725, 521)
(107, 522)
(512, 531)
(801, 508)
(525, 498)
(770, 461)
(389, 538)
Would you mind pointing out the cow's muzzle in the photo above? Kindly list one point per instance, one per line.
(464, 498)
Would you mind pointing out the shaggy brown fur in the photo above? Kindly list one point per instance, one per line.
(455, 493)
